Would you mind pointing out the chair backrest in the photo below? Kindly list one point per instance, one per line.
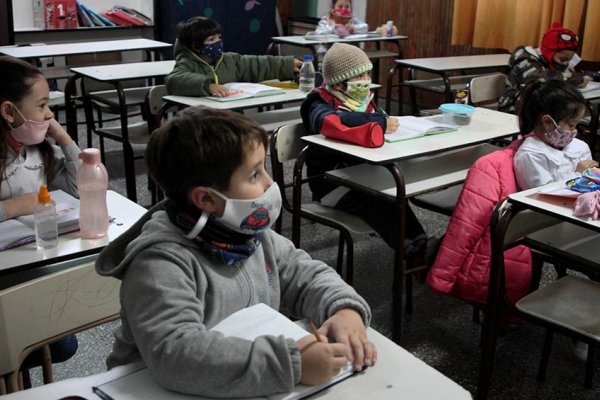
(286, 145)
(48, 308)
(485, 90)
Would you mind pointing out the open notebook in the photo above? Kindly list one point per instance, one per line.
(19, 231)
(248, 323)
(410, 127)
(245, 90)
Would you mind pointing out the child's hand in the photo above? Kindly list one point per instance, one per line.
(346, 326)
(321, 361)
(58, 133)
(297, 65)
(20, 205)
(586, 79)
(218, 90)
(392, 125)
(585, 164)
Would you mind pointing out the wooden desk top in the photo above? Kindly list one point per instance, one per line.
(559, 207)
(318, 39)
(71, 245)
(397, 375)
(63, 49)
(119, 72)
(287, 97)
(485, 125)
(439, 64)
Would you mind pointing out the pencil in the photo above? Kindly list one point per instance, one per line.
(313, 330)
(100, 393)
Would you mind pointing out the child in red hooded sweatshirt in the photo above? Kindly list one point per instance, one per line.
(555, 59)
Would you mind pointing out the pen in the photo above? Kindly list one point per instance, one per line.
(234, 92)
(313, 330)
(100, 393)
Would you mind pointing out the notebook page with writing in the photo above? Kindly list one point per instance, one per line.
(248, 323)
(410, 127)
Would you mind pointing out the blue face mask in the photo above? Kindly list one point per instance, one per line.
(213, 51)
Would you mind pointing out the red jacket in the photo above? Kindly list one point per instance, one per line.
(463, 262)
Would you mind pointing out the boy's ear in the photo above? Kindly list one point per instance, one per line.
(203, 198)
(7, 111)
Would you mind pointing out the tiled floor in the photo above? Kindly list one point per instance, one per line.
(440, 331)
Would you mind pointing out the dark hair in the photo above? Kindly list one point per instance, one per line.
(200, 147)
(559, 99)
(335, 1)
(193, 32)
(16, 80)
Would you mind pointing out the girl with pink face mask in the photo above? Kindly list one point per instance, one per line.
(27, 158)
(550, 112)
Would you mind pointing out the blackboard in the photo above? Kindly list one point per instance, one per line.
(247, 25)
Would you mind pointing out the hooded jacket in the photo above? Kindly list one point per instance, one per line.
(172, 294)
(462, 265)
(318, 105)
(527, 65)
(192, 76)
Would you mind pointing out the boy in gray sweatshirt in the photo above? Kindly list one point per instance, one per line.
(207, 252)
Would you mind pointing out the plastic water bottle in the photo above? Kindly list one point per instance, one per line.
(307, 75)
(92, 182)
(46, 231)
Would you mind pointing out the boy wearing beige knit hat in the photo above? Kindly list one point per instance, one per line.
(343, 109)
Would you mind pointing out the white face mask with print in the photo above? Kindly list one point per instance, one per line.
(246, 216)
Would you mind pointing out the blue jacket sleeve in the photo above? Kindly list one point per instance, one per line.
(318, 110)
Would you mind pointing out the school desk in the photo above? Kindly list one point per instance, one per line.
(441, 66)
(417, 153)
(66, 49)
(20, 261)
(114, 74)
(397, 375)
(542, 222)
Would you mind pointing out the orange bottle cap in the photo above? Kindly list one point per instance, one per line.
(44, 196)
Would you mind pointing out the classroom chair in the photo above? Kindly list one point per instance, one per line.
(567, 305)
(137, 133)
(486, 90)
(41, 311)
(287, 148)
(430, 82)
(102, 97)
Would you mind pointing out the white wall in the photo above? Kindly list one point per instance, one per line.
(23, 9)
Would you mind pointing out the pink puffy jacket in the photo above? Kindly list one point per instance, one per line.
(463, 262)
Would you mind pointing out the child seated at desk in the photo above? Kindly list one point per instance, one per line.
(28, 158)
(553, 60)
(210, 253)
(201, 66)
(550, 112)
(345, 103)
(341, 21)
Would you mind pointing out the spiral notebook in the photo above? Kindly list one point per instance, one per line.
(248, 323)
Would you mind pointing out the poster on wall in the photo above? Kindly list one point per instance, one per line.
(247, 25)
